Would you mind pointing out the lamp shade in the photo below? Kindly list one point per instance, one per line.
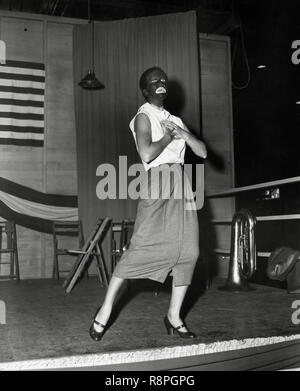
(90, 82)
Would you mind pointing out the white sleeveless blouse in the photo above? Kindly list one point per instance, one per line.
(175, 150)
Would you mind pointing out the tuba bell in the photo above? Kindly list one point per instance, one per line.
(242, 264)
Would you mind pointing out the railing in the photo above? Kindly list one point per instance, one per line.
(263, 185)
(237, 190)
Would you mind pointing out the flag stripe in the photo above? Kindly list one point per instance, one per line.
(31, 116)
(21, 71)
(28, 77)
(21, 90)
(19, 129)
(21, 122)
(22, 135)
(21, 109)
(25, 64)
(17, 102)
(23, 97)
(21, 83)
(21, 142)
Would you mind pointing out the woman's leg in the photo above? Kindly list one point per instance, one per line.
(177, 297)
(106, 308)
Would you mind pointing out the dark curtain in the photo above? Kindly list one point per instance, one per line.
(123, 50)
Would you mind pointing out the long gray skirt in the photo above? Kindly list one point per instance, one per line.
(166, 235)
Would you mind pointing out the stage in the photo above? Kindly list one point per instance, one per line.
(48, 329)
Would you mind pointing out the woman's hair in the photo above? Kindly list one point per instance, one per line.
(145, 74)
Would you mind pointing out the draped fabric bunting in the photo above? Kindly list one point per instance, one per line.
(34, 209)
(22, 90)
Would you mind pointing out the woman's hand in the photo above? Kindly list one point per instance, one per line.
(176, 131)
(197, 146)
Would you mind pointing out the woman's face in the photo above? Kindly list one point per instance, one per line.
(157, 85)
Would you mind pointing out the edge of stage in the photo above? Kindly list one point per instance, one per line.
(273, 353)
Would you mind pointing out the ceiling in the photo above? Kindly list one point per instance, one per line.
(115, 9)
(214, 16)
(261, 20)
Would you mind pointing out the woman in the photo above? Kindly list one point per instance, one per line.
(165, 237)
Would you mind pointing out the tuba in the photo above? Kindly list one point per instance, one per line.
(242, 264)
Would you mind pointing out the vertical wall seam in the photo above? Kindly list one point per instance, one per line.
(44, 163)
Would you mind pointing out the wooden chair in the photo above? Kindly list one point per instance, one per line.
(121, 232)
(8, 245)
(64, 228)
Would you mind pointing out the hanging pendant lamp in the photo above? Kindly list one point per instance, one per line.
(90, 81)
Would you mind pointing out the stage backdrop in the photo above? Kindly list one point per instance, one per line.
(123, 50)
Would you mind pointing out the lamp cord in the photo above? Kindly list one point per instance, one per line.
(91, 22)
(240, 29)
(93, 54)
(89, 11)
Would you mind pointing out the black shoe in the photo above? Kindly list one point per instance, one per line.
(183, 334)
(96, 335)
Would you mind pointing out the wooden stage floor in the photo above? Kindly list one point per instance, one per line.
(43, 322)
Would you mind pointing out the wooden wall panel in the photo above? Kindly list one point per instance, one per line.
(65, 262)
(51, 169)
(24, 165)
(30, 248)
(61, 140)
(216, 109)
(23, 38)
(60, 174)
(218, 134)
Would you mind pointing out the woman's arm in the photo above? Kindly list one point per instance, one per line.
(149, 149)
(196, 145)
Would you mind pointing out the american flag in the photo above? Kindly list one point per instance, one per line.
(22, 92)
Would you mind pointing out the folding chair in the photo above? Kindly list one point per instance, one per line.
(8, 236)
(92, 248)
(64, 228)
